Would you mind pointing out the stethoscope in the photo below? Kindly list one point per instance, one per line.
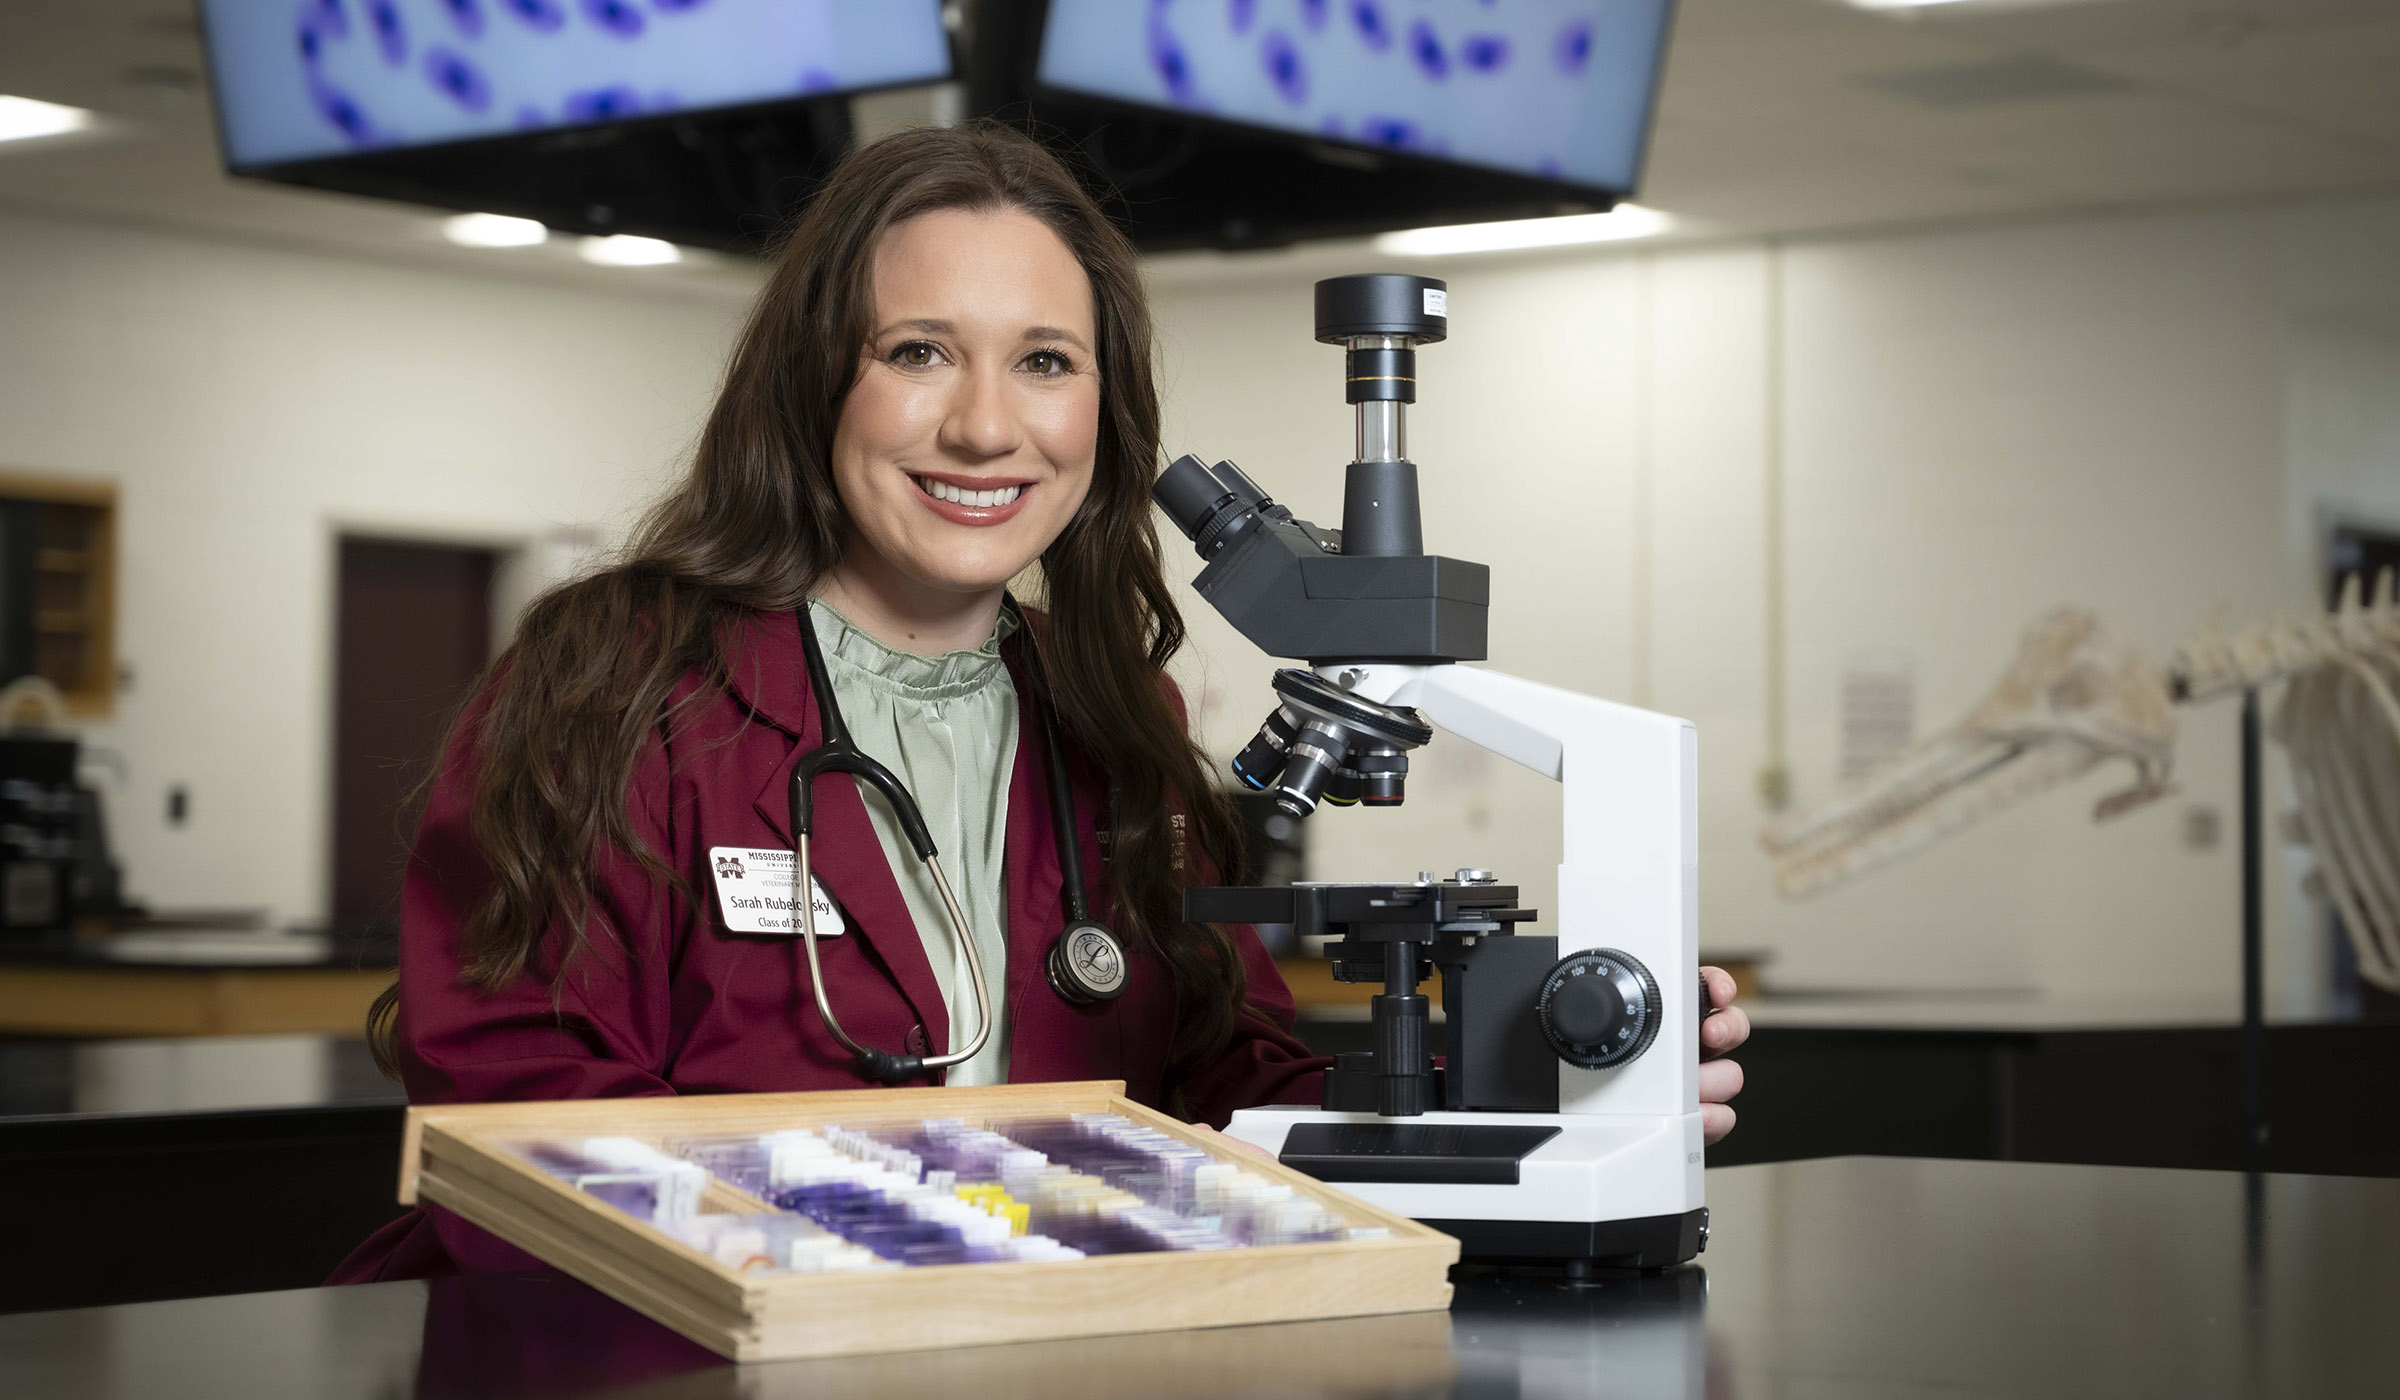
(1087, 962)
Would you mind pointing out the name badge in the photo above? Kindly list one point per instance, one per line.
(754, 892)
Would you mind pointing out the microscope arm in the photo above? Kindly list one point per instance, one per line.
(1628, 877)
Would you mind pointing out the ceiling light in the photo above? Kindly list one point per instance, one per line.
(1979, 4)
(1624, 221)
(492, 231)
(627, 250)
(22, 119)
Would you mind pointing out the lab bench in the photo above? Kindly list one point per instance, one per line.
(183, 977)
(1889, 1277)
(2028, 1078)
(304, 1125)
(105, 1144)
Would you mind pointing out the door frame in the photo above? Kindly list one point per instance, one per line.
(525, 562)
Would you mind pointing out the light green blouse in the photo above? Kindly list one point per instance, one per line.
(947, 728)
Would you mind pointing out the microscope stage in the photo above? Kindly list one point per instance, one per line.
(1584, 1170)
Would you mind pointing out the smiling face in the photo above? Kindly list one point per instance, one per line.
(966, 443)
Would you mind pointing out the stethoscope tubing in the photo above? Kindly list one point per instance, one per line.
(837, 754)
(803, 897)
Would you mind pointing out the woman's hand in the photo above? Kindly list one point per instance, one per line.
(1722, 1032)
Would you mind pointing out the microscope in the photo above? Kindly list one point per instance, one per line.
(1563, 1126)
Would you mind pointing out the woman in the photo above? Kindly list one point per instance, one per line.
(946, 380)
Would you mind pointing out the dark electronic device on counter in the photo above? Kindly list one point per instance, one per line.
(1565, 1127)
(40, 812)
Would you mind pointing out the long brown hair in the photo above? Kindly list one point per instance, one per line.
(558, 726)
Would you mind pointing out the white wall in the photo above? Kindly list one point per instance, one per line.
(253, 402)
(2140, 414)
(2137, 414)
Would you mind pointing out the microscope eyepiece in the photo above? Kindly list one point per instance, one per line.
(1189, 493)
(1209, 503)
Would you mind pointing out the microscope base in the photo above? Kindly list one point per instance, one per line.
(1587, 1190)
(1653, 1242)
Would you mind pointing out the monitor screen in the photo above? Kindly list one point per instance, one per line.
(1558, 89)
(302, 79)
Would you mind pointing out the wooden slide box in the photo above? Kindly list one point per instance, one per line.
(459, 1157)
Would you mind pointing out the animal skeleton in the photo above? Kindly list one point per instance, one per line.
(2341, 725)
(2079, 695)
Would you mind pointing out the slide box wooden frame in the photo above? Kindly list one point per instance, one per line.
(459, 1157)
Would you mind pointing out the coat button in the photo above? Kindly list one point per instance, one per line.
(918, 1042)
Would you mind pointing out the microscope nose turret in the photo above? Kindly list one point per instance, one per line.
(1324, 743)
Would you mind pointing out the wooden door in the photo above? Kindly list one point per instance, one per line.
(414, 629)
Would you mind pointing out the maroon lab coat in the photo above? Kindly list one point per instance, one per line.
(665, 1001)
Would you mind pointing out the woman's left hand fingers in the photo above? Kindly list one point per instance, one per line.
(1724, 1031)
(1720, 1080)
(1721, 1031)
(1726, 1027)
(1716, 1120)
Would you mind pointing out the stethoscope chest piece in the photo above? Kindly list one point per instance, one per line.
(1086, 964)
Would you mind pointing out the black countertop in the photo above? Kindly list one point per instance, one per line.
(182, 1075)
(1883, 1277)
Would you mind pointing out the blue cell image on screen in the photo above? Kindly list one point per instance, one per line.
(1556, 88)
(302, 79)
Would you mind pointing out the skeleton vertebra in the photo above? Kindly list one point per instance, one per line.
(2080, 694)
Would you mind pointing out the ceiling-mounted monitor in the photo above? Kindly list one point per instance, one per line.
(307, 80)
(1558, 91)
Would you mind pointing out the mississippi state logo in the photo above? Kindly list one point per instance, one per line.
(729, 867)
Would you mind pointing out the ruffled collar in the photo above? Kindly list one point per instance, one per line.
(852, 654)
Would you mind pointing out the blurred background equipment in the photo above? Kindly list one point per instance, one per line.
(38, 812)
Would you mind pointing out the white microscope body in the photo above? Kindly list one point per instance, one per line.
(1629, 1142)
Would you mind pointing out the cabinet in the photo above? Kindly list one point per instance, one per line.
(58, 563)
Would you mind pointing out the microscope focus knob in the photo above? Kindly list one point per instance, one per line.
(1599, 1008)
